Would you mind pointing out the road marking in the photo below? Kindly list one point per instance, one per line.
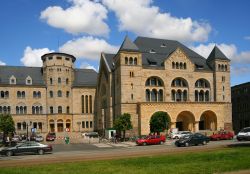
(102, 145)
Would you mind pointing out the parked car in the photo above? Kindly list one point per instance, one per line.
(151, 139)
(192, 139)
(244, 134)
(180, 134)
(16, 138)
(222, 135)
(27, 147)
(51, 136)
(39, 138)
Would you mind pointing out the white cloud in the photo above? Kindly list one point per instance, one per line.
(2, 63)
(86, 65)
(247, 37)
(88, 47)
(32, 57)
(84, 16)
(240, 70)
(142, 18)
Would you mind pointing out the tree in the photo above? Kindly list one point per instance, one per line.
(6, 125)
(159, 122)
(123, 123)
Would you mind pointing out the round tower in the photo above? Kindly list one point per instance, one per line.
(58, 73)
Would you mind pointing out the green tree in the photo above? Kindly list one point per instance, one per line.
(6, 125)
(159, 122)
(123, 123)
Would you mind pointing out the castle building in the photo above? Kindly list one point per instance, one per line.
(53, 98)
(241, 106)
(150, 75)
(143, 77)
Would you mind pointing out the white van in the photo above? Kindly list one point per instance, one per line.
(244, 134)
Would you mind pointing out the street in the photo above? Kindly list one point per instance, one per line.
(86, 152)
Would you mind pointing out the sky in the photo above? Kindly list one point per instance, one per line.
(85, 28)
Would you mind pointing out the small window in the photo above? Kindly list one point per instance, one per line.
(59, 58)
(59, 109)
(28, 81)
(67, 81)
(90, 124)
(67, 58)
(83, 124)
(59, 93)
(87, 124)
(163, 45)
(59, 80)
(12, 80)
(67, 94)
(50, 58)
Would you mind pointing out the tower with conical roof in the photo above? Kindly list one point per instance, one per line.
(127, 74)
(221, 67)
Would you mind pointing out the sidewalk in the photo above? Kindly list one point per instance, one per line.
(238, 172)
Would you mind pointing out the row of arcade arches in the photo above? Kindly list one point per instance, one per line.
(185, 121)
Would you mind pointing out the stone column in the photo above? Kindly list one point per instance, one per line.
(196, 126)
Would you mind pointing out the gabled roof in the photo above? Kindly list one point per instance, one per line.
(21, 73)
(85, 77)
(216, 53)
(128, 45)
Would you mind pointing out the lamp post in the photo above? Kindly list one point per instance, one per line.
(27, 128)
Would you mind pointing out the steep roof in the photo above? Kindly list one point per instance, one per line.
(21, 73)
(128, 45)
(216, 53)
(85, 77)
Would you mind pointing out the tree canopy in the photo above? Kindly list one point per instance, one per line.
(6, 124)
(123, 123)
(159, 122)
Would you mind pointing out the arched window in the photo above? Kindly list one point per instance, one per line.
(135, 61)
(59, 109)
(185, 95)
(51, 94)
(154, 81)
(207, 96)
(87, 103)
(147, 95)
(126, 60)
(179, 82)
(173, 95)
(219, 68)
(160, 95)
(154, 95)
(51, 81)
(130, 61)
(19, 94)
(179, 95)
(201, 95)
(196, 95)
(225, 67)
(59, 93)
(67, 81)
(90, 104)
(173, 65)
(185, 66)
(59, 80)
(67, 109)
(222, 67)
(82, 103)
(51, 109)
(39, 94)
(177, 65)
(34, 94)
(181, 65)
(23, 94)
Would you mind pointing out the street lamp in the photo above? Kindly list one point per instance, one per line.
(27, 128)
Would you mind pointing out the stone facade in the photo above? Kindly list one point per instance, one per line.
(195, 94)
(61, 99)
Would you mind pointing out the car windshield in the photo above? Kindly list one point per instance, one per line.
(185, 137)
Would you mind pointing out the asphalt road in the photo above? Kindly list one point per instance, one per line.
(87, 152)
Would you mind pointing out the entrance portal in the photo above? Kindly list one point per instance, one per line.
(208, 121)
(185, 121)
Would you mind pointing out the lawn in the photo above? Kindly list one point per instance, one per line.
(230, 159)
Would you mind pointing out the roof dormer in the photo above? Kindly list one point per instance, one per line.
(28, 80)
(12, 80)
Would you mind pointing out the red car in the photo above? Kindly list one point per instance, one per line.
(151, 139)
(223, 135)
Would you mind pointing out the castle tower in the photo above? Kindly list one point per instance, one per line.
(221, 67)
(58, 74)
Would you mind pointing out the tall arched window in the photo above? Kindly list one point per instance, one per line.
(179, 95)
(177, 65)
(155, 94)
(87, 103)
(130, 61)
(126, 60)
(59, 109)
(207, 96)
(185, 95)
(181, 65)
(51, 81)
(59, 80)
(201, 95)
(67, 81)
(59, 93)
(67, 109)
(173, 95)
(179, 82)
(90, 104)
(39, 94)
(51, 109)
(147, 95)
(82, 103)
(185, 66)
(196, 95)
(173, 65)
(202, 85)
(135, 61)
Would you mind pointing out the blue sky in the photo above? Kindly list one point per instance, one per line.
(85, 28)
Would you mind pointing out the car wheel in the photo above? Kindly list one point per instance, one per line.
(186, 144)
(176, 137)
(9, 153)
(144, 144)
(204, 142)
(161, 142)
(40, 152)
